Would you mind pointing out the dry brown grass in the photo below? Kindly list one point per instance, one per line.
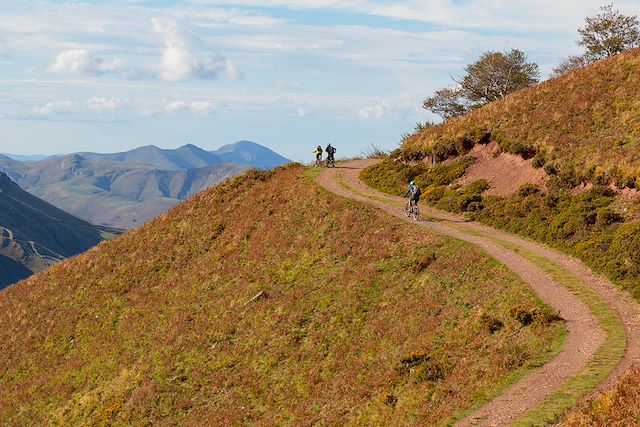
(588, 120)
(618, 407)
(159, 326)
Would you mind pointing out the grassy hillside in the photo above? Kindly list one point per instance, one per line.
(267, 300)
(582, 126)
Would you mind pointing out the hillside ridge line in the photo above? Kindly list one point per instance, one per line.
(585, 335)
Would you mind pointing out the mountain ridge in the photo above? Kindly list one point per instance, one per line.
(186, 157)
(126, 189)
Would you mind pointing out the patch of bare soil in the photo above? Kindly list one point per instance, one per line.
(505, 172)
(585, 336)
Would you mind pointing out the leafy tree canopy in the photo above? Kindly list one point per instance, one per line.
(493, 76)
(605, 34)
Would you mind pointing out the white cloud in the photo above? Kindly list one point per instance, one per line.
(97, 105)
(81, 61)
(376, 111)
(56, 107)
(403, 107)
(199, 108)
(100, 104)
(185, 56)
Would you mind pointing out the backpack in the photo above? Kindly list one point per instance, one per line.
(418, 192)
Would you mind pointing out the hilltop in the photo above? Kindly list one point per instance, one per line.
(567, 150)
(582, 127)
(247, 305)
(35, 235)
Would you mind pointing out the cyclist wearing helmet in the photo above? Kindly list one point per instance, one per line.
(318, 153)
(331, 151)
(414, 193)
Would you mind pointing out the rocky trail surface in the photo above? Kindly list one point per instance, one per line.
(603, 323)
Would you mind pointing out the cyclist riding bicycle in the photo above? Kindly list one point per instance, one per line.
(331, 151)
(414, 193)
(318, 153)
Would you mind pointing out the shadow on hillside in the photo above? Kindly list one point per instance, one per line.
(11, 271)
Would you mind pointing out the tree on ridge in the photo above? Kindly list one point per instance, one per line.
(491, 77)
(604, 35)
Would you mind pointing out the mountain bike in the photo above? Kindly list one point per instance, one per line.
(411, 210)
(331, 162)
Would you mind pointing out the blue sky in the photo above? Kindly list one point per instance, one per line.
(109, 76)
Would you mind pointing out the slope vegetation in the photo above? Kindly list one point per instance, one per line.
(583, 130)
(35, 234)
(584, 126)
(267, 300)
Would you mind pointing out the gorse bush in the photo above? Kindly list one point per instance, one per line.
(393, 176)
(588, 225)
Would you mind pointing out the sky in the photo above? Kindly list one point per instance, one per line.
(109, 76)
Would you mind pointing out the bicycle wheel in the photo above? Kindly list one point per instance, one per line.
(407, 209)
(415, 213)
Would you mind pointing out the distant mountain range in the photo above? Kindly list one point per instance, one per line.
(126, 189)
(24, 158)
(34, 234)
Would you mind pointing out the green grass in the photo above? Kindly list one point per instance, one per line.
(159, 324)
(602, 363)
(605, 359)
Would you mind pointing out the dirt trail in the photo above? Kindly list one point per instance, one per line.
(585, 336)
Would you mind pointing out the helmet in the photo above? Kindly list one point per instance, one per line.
(412, 183)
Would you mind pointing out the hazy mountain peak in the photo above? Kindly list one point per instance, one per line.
(252, 153)
(145, 148)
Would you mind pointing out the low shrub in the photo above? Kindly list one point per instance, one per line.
(527, 190)
(490, 323)
(522, 315)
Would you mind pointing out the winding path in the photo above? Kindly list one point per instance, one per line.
(586, 336)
